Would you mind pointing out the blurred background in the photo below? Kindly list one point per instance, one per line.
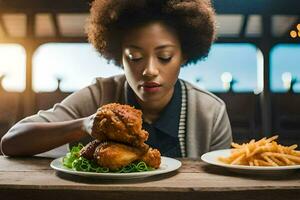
(253, 66)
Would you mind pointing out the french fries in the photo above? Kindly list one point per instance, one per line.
(264, 152)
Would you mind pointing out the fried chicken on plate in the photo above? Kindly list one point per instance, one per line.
(120, 139)
(115, 155)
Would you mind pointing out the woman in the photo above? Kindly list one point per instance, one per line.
(151, 40)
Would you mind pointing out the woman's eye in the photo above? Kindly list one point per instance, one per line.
(134, 58)
(165, 59)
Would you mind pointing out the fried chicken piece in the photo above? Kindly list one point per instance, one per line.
(120, 123)
(88, 150)
(119, 129)
(115, 155)
(152, 158)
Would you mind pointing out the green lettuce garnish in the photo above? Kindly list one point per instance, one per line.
(74, 161)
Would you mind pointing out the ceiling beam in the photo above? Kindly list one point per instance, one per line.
(271, 7)
(257, 41)
(41, 6)
(26, 41)
(39, 41)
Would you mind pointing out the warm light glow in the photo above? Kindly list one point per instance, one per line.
(12, 65)
(226, 78)
(298, 27)
(298, 33)
(260, 72)
(293, 34)
(286, 78)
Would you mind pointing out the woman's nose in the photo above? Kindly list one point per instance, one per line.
(151, 69)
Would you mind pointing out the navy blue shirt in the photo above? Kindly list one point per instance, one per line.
(163, 133)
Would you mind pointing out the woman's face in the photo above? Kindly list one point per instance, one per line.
(151, 57)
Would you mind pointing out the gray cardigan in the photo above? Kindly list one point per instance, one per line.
(208, 126)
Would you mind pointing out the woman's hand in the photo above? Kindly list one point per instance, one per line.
(89, 127)
(87, 124)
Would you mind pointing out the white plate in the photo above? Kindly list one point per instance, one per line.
(212, 158)
(167, 165)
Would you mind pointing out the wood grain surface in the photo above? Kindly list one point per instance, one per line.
(32, 178)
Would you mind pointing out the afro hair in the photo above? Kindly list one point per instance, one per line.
(193, 20)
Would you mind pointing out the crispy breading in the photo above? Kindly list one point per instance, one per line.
(116, 155)
(88, 150)
(120, 138)
(152, 158)
(120, 123)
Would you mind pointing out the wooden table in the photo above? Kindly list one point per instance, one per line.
(32, 178)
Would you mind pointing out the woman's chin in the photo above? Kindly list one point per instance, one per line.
(151, 97)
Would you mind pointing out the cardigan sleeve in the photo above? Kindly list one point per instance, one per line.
(221, 133)
(77, 105)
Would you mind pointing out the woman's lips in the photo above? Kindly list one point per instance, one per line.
(151, 87)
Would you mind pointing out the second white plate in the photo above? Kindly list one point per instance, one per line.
(212, 158)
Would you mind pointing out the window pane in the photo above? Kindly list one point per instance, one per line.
(13, 66)
(82, 64)
(242, 61)
(76, 64)
(285, 66)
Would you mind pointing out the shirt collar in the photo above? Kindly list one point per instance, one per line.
(168, 121)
